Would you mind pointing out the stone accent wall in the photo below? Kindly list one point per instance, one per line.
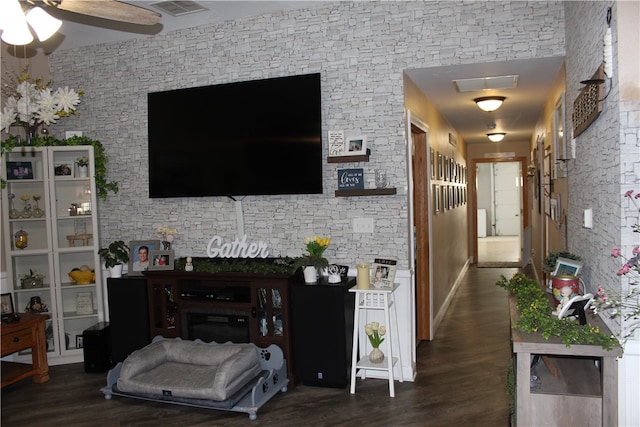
(361, 49)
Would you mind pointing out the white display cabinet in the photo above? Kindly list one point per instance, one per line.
(61, 226)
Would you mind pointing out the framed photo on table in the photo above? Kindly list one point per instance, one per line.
(161, 260)
(6, 304)
(567, 267)
(139, 255)
(384, 273)
(355, 146)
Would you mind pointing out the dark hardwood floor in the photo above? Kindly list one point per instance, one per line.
(461, 381)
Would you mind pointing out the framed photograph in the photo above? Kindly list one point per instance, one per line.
(6, 304)
(384, 273)
(63, 170)
(452, 139)
(161, 260)
(355, 145)
(79, 341)
(567, 267)
(335, 140)
(139, 255)
(440, 167)
(432, 163)
(436, 198)
(19, 170)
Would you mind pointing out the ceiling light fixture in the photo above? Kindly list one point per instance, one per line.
(496, 136)
(42, 23)
(489, 103)
(13, 23)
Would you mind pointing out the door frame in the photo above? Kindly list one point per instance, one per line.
(524, 202)
(419, 207)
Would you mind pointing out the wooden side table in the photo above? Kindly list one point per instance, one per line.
(375, 299)
(26, 333)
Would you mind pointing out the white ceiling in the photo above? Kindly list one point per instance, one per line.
(517, 117)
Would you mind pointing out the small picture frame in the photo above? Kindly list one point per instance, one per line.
(140, 255)
(6, 306)
(335, 140)
(84, 303)
(355, 146)
(63, 171)
(567, 267)
(19, 170)
(383, 273)
(79, 341)
(161, 260)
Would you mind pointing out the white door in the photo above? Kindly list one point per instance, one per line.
(507, 199)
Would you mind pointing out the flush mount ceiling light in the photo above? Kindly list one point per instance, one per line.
(489, 103)
(496, 136)
(14, 21)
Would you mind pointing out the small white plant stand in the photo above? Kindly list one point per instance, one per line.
(375, 299)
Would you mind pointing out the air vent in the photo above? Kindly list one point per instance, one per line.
(484, 83)
(178, 7)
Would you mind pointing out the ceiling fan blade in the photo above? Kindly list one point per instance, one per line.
(109, 9)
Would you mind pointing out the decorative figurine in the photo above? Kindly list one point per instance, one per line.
(334, 274)
(188, 266)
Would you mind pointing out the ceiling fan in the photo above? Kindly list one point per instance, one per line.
(16, 14)
(107, 9)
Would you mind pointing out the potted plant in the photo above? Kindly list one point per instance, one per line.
(114, 256)
(31, 280)
(83, 166)
(313, 262)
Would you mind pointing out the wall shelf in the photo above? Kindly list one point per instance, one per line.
(349, 159)
(366, 192)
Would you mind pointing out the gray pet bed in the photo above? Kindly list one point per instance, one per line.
(232, 377)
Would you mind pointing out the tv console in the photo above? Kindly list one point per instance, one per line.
(228, 306)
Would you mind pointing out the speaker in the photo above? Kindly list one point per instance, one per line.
(95, 347)
(322, 332)
(128, 316)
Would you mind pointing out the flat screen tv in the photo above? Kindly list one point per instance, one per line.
(260, 137)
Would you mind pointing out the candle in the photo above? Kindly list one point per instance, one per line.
(363, 276)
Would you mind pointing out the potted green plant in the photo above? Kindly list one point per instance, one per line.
(114, 256)
(31, 280)
(552, 258)
(313, 262)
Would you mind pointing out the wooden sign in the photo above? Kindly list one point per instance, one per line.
(350, 179)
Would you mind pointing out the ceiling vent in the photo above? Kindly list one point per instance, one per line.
(484, 83)
(179, 7)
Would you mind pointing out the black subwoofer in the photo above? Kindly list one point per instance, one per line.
(322, 326)
(95, 347)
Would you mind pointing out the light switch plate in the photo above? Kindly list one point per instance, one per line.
(363, 225)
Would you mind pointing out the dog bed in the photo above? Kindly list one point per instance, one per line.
(233, 377)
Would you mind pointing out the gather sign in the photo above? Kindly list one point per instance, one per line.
(239, 248)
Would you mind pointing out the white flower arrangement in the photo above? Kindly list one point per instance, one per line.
(167, 235)
(82, 161)
(34, 103)
(375, 332)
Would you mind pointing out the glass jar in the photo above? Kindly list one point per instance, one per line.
(21, 239)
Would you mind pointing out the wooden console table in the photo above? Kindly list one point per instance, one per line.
(27, 333)
(583, 391)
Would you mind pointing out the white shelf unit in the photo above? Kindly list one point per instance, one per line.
(375, 299)
(52, 249)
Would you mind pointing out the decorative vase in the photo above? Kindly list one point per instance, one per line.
(115, 271)
(376, 356)
(559, 282)
(13, 212)
(310, 274)
(83, 171)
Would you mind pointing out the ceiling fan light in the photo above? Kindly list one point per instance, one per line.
(42, 23)
(13, 24)
(496, 136)
(489, 103)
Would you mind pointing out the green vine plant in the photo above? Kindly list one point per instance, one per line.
(536, 315)
(102, 185)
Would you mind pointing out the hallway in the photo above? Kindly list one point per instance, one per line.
(499, 251)
(461, 381)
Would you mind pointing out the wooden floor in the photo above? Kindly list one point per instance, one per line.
(461, 381)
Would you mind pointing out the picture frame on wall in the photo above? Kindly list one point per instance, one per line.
(161, 260)
(139, 255)
(440, 167)
(355, 146)
(432, 163)
(559, 140)
(436, 198)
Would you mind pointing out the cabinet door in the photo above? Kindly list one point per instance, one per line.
(52, 230)
(164, 317)
(75, 244)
